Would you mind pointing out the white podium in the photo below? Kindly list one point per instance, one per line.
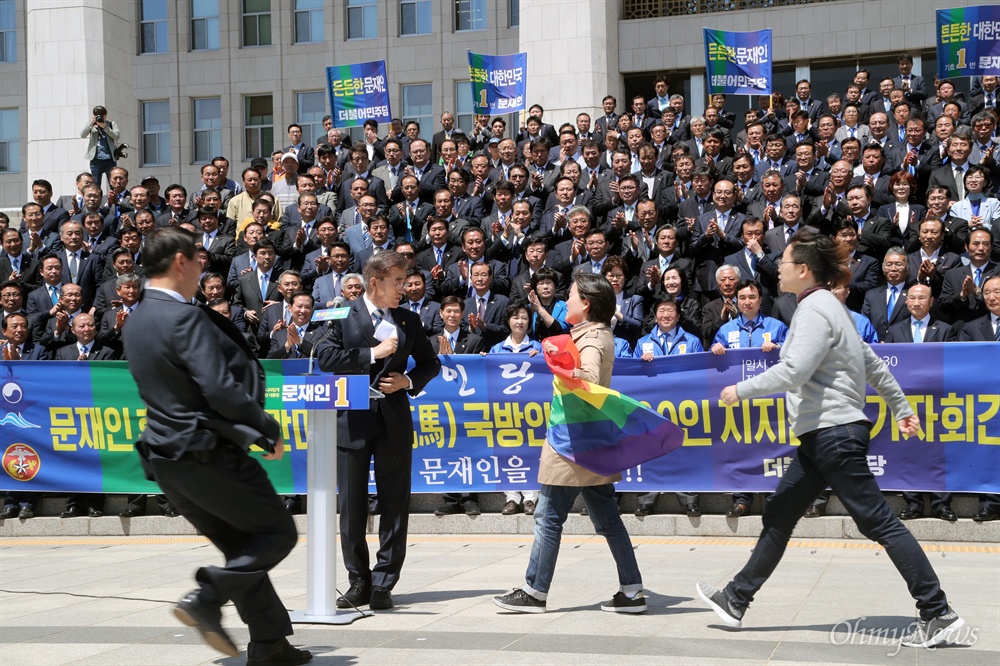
(322, 523)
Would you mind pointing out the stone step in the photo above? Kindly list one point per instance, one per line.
(659, 525)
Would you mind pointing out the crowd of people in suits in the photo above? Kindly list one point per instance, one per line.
(686, 216)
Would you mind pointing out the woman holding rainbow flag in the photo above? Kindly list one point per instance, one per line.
(586, 449)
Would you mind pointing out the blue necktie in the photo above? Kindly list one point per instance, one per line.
(377, 317)
(917, 335)
(54, 295)
(892, 300)
(979, 277)
(263, 287)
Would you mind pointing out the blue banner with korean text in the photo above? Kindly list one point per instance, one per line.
(738, 63)
(499, 82)
(968, 41)
(480, 425)
(357, 93)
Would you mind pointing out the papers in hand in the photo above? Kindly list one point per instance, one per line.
(384, 331)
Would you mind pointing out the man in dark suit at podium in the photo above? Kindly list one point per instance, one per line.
(377, 338)
(204, 394)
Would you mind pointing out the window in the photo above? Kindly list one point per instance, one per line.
(258, 123)
(308, 21)
(204, 25)
(155, 133)
(256, 22)
(418, 104)
(8, 32)
(10, 144)
(153, 26)
(207, 129)
(310, 107)
(464, 117)
(362, 19)
(415, 17)
(470, 14)
(515, 13)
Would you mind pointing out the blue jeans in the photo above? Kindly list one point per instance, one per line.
(554, 503)
(835, 456)
(100, 168)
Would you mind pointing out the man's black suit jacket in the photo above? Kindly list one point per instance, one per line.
(30, 270)
(277, 349)
(876, 306)
(198, 377)
(466, 343)
(97, 352)
(348, 351)
(937, 331)
(978, 330)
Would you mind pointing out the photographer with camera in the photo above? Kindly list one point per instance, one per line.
(102, 149)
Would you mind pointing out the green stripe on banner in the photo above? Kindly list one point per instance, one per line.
(120, 418)
(569, 408)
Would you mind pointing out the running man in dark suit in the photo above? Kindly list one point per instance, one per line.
(204, 394)
(377, 338)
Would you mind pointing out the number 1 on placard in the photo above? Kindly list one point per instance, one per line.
(961, 59)
(482, 97)
(341, 385)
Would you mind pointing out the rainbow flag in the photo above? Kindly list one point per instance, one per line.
(598, 428)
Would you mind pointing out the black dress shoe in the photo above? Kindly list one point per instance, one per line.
(472, 508)
(813, 512)
(910, 514)
(170, 512)
(739, 509)
(9, 512)
(278, 653)
(644, 510)
(94, 513)
(449, 509)
(25, 513)
(945, 513)
(132, 512)
(373, 509)
(359, 594)
(207, 619)
(692, 511)
(71, 513)
(381, 598)
(986, 515)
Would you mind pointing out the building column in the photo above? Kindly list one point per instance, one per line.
(572, 49)
(90, 63)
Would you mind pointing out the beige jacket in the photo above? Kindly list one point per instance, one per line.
(597, 358)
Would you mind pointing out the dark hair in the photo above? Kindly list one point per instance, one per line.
(453, 300)
(514, 307)
(264, 243)
(825, 257)
(162, 245)
(210, 276)
(12, 315)
(665, 300)
(613, 261)
(312, 301)
(749, 283)
(544, 273)
(597, 291)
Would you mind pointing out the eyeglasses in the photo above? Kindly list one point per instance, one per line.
(408, 255)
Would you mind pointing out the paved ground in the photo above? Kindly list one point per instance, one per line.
(106, 601)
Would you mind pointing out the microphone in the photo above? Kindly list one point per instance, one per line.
(337, 302)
